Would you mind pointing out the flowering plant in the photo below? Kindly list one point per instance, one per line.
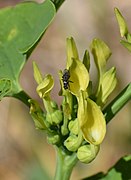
(77, 127)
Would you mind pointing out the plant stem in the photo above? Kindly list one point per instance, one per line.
(22, 96)
(57, 3)
(116, 105)
(65, 164)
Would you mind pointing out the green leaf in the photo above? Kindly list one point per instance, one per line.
(34, 169)
(21, 28)
(120, 171)
(5, 87)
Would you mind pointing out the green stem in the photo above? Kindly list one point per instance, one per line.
(57, 3)
(65, 164)
(48, 106)
(116, 105)
(23, 96)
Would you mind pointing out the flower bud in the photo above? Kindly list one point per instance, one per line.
(53, 139)
(54, 117)
(87, 153)
(73, 142)
(73, 127)
(37, 114)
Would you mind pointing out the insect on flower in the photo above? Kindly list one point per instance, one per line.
(65, 78)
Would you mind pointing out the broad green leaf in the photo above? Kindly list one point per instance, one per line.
(5, 87)
(34, 170)
(21, 27)
(122, 23)
(120, 171)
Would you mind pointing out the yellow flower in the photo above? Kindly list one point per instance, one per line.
(91, 120)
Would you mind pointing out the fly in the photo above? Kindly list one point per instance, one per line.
(65, 79)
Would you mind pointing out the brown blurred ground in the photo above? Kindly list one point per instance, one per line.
(20, 143)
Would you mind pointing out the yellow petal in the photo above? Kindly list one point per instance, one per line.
(37, 74)
(91, 121)
(71, 51)
(108, 84)
(122, 23)
(45, 86)
(79, 77)
(101, 53)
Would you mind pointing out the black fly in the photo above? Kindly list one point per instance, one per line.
(65, 78)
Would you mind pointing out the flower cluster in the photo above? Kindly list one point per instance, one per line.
(78, 125)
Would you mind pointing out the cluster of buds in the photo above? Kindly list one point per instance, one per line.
(78, 125)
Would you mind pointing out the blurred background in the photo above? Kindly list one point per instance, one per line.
(24, 151)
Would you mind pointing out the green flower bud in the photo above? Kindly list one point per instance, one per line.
(73, 127)
(53, 139)
(37, 114)
(67, 116)
(54, 117)
(87, 153)
(73, 142)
